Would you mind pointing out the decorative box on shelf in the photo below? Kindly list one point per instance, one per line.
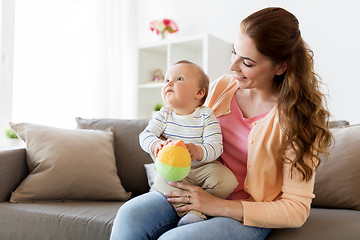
(211, 53)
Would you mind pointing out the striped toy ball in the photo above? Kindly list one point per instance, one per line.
(173, 161)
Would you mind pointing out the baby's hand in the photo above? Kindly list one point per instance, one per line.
(158, 145)
(196, 151)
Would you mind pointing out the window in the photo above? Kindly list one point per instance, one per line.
(67, 61)
(6, 61)
(54, 61)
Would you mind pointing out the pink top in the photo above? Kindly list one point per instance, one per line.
(235, 129)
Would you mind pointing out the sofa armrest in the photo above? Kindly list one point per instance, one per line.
(13, 169)
(339, 123)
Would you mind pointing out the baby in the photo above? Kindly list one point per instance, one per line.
(185, 118)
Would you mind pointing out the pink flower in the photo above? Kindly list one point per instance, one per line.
(161, 27)
(166, 21)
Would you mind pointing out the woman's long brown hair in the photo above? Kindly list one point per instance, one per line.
(302, 107)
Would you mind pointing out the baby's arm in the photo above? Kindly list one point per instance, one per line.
(212, 139)
(149, 139)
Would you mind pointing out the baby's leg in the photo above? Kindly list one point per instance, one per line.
(215, 178)
(161, 185)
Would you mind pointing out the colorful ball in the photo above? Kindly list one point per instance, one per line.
(173, 161)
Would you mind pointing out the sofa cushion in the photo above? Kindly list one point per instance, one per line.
(68, 164)
(130, 158)
(338, 178)
(329, 224)
(80, 220)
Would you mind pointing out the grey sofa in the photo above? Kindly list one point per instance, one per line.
(333, 216)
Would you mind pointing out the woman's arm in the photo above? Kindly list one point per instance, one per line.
(289, 210)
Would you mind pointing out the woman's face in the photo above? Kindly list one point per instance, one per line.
(252, 69)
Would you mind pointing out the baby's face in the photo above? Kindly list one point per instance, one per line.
(181, 90)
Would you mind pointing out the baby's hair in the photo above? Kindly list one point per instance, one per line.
(204, 79)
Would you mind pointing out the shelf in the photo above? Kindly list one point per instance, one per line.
(209, 52)
(152, 85)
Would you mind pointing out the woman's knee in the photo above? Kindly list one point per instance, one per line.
(128, 218)
(138, 209)
(149, 212)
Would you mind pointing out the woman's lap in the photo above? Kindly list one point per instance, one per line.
(216, 228)
(150, 216)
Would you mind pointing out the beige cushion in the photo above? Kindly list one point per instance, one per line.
(337, 182)
(130, 158)
(68, 164)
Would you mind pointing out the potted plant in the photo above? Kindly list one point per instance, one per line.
(10, 134)
(11, 139)
(157, 107)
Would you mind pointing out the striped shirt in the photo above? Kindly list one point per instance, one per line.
(201, 128)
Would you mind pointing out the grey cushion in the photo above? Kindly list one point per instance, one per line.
(340, 123)
(57, 220)
(337, 180)
(130, 158)
(329, 224)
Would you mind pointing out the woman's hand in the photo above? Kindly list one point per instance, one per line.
(195, 151)
(195, 198)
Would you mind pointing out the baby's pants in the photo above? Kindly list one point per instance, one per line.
(213, 177)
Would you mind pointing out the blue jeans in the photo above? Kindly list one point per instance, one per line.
(151, 216)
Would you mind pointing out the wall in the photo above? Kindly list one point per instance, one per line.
(329, 27)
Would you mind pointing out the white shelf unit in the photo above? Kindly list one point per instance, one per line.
(209, 52)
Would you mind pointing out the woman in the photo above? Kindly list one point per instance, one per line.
(274, 125)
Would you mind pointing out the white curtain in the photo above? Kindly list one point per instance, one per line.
(69, 60)
(119, 60)
(6, 62)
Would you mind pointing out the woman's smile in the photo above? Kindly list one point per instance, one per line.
(240, 78)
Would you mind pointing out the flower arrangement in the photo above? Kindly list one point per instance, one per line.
(163, 26)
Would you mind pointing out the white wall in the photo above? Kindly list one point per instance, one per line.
(331, 28)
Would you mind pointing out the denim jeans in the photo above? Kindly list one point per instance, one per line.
(151, 216)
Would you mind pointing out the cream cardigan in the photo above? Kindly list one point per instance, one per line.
(277, 199)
